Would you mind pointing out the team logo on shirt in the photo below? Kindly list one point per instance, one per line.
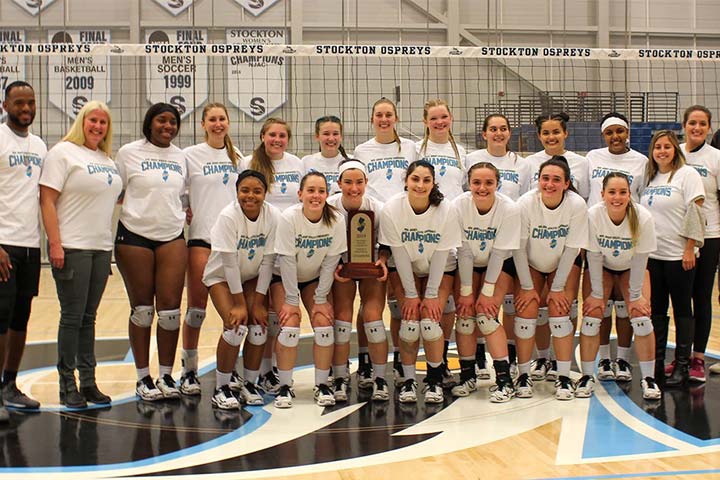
(421, 237)
(165, 175)
(283, 187)
(616, 253)
(251, 244)
(310, 253)
(661, 190)
(616, 244)
(28, 171)
(421, 248)
(483, 246)
(389, 174)
(23, 159)
(550, 233)
(602, 172)
(251, 254)
(553, 243)
(109, 178)
(443, 171)
(312, 243)
(701, 170)
(226, 178)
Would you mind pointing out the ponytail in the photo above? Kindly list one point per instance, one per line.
(260, 161)
(382, 100)
(229, 147)
(631, 212)
(436, 196)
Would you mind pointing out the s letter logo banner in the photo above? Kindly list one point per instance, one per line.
(33, 7)
(175, 7)
(256, 7)
(12, 67)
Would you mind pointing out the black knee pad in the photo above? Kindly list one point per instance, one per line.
(21, 314)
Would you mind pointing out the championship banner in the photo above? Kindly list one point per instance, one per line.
(33, 7)
(257, 84)
(256, 7)
(12, 67)
(175, 7)
(75, 80)
(180, 80)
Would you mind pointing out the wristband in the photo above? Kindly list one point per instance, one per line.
(465, 290)
(488, 289)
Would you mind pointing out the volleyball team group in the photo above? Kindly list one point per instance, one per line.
(461, 236)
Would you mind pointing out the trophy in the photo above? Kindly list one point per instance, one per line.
(361, 246)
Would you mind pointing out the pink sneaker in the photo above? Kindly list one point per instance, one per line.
(697, 370)
(669, 368)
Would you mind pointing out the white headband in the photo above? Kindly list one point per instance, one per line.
(356, 164)
(614, 121)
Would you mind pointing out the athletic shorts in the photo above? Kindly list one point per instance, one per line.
(196, 242)
(126, 237)
(507, 267)
(25, 274)
(301, 285)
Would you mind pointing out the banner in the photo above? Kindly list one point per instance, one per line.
(175, 7)
(75, 80)
(257, 84)
(256, 7)
(180, 80)
(12, 67)
(33, 7)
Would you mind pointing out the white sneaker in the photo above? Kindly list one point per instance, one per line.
(270, 383)
(284, 397)
(189, 384)
(340, 390)
(605, 370)
(236, 381)
(465, 388)
(650, 389)
(408, 391)
(540, 369)
(564, 388)
(482, 373)
(380, 390)
(166, 385)
(146, 390)
(514, 371)
(250, 394)
(585, 387)
(433, 393)
(552, 373)
(503, 391)
(224, 399)
(524, 386)
(623, 371)
(364, 376)
(323, 395)
(448, 379)
(398, 374)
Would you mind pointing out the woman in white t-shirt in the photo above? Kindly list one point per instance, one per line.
(212, 168)
(554, 230)
(329, 135)
(371, 329)
(674, 196)
(238, 274)
(150, 245)
(622, 236)
(79, 187)
(706, 160)
(422, 231)
(309, 241)
(490, 224)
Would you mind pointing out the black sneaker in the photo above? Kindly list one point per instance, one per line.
(605, 370)
(398, 373)
(364, 376)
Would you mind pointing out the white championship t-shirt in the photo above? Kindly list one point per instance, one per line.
(515, 171)
(211, 181)
(368, 203)
(154, 180)
(707, 163)
(601, 162)
(668, 203)
(615, 241)
(548, 231)
(579, 172)
(283, 192)
(21, 159)
(449, 169)
(89, 186)
(386, 166)
(327, 166)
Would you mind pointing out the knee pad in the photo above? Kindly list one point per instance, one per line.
(194, 317)
(464, 326)
(257, 335)
(20, 314)
(273, 324)
(560, 327)
(621, 309)
(394, 308)
(375, 332)
(487, 325)
(324, 336)
(450, 305)
(509, 304)
(142, 316)
(574, 309)
(590, 326)
(343, 330)
(524, 327)
(430, 330)
(289, 336)
(169, 319)
(409, 331)
(608, 309)
(543, 316)
(641, 326)
(234, 337)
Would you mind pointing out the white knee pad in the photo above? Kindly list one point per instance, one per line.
(450, 305)
(608, 309)
(543, 316)
(409, 331)
(560, 327)
(464, 326)
(257, 335)
(289, 336)
(375, 332)
(343, 330)
(590, 326)
(430, 330)
(487, 325)
(273, 328)
(394, 308)
(524, 327)
(621, 309)
(169, 319)
(642, 326)
(509, 304)
(235, 336)
(574, 309)
(324, 336)
(142, 316)
(194, 317)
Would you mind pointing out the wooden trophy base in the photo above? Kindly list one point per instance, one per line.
(359, 271)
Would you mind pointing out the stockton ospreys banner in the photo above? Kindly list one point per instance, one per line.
(256, 7)
(176, 7)
(33, 7)
(257, 84)
(75, 80)
(180, 80)
(12, 67)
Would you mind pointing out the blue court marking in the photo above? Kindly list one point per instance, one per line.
(636, 475)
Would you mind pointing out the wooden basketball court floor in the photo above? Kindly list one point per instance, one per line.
(613, 435)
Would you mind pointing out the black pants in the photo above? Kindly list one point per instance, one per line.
(702, 292)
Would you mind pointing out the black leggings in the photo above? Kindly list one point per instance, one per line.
(668, 281)
(705, 269)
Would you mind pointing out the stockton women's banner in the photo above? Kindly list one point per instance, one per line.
(12, 67)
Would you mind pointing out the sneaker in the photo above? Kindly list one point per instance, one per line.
(13, 397)
(236, 381)
(714, 368)
(585, 387)
(224, 399)
(364, 376)
(669, 368)
(540, 369)
(94, 395)
(323, 395)
(448, 379)
(189, 384)
(166, 385)
(503, 391)
(146, 390)
(284, 397)
(650, 389)
(514, 370)
(340, 390)
(605, 370)
(433, 392)
(524, 386)
(271, 384)
(623, 371)
(464, 388)
(250, 394)
(697, 370)
(398, 374)
(380, 390)
(408, 391)
(482, 373)
(564, 388)
(552, 373)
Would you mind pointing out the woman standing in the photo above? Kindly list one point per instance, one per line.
(79, 187)
(329, 135)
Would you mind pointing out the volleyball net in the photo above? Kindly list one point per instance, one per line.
(257, 75)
